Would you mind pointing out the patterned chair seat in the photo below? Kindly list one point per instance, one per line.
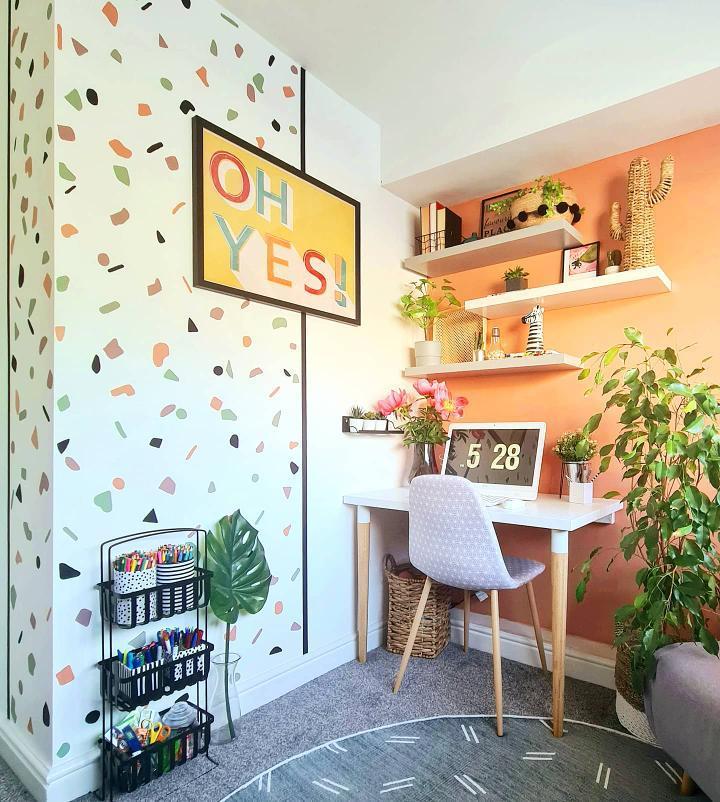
(523, 571)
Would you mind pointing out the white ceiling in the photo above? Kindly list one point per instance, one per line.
(453, 81)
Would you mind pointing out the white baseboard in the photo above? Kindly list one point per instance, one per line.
(73, 778)
(271, 685)
(61, 783)
(584, 659)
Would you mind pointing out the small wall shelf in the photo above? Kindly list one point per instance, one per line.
(514, 245)
(576, 292)
(520, 364)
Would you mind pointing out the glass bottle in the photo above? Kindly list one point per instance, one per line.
(495, 349)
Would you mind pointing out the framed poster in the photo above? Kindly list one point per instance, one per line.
(264, 230)
(580, 262)
(494, 222)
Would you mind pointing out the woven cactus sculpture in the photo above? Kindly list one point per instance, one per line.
(638, 231)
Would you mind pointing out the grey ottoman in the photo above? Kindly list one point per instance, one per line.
(682, 703)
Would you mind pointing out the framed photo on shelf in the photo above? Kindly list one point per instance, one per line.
(581, 261)
(494, 222)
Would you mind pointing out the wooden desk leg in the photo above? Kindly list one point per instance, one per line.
(363, 571)
(559, 577)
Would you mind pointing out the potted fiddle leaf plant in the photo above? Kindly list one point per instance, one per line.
(423, 305)
(515, 279)
(240, 585)
(668, 448)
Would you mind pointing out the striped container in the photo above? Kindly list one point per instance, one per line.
(181, 598)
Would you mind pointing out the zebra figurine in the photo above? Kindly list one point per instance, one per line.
(535, 344)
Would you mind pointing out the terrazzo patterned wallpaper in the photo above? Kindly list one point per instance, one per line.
(30, 284)
(173, 406)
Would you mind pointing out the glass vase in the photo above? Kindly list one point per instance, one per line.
(423, 460)
(225, 700)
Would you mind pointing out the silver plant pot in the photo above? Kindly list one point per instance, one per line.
(577, 471)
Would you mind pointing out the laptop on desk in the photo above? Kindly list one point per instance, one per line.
(502, 459)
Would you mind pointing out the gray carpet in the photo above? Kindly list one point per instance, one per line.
(443, 759)
(357, 697)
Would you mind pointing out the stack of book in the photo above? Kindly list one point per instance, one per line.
(439, 228)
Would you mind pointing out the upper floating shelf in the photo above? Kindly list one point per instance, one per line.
(533, 241)
(517, 364)
(575, 292)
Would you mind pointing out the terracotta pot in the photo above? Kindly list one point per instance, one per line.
(531, 202)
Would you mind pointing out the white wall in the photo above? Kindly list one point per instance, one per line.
(348, 365)
(111, 398)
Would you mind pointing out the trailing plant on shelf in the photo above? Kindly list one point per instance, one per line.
(550, 189)
(240, 581)
(424, 304)
(669, 450)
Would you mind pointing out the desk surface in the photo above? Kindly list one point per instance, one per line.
(546, 512)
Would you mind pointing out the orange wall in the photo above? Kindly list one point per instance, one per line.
(686, 249)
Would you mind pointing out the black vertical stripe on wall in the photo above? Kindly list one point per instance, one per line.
(7, 340)
(303, 402)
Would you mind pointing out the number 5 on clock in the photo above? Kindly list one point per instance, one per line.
(473, 456)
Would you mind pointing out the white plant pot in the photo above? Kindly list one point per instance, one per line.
(580, 492)
(427, 352)
(356, 424)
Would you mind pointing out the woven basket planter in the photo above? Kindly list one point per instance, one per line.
(629, 704)
(403, 599)
(529, 203)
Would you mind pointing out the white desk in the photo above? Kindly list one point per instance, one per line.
(547, 512)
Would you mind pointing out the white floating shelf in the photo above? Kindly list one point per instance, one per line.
(519, 364)
(544, 238)
(575, 292)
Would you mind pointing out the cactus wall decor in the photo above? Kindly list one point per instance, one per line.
(638, 231)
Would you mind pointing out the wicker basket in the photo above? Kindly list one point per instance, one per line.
(629, 704)
(529, 203)
(403, 599)
(458, 334)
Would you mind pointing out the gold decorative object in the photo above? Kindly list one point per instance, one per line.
(458, 333)
(638, 231)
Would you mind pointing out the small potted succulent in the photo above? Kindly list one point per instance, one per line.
(357, 418)
(423, 305)
(515, 279)
(374, 422)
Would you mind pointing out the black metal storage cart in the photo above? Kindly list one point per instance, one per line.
(125, 690)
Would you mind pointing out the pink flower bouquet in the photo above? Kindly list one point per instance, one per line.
(421, 419)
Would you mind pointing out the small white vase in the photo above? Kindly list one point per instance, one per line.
(427, 352)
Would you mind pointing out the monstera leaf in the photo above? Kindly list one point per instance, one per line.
(241, 575)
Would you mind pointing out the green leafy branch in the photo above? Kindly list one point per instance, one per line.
(669, 450)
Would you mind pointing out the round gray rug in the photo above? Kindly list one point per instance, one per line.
(461, 757)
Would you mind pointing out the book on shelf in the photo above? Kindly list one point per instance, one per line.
(440, 227)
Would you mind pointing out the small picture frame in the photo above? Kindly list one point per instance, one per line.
(582, 261)
(491, 222)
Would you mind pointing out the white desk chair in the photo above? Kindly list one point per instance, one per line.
(453, 542)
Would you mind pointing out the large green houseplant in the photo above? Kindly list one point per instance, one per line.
(240, 582)
(669, 450)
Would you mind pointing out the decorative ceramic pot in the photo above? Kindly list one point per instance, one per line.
(424, 461)
(427, 352)
(527, 210)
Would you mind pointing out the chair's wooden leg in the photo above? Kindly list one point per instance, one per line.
(536, 625)
(497, 669)
(413, 634)
(687, 785)
(466, 620)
